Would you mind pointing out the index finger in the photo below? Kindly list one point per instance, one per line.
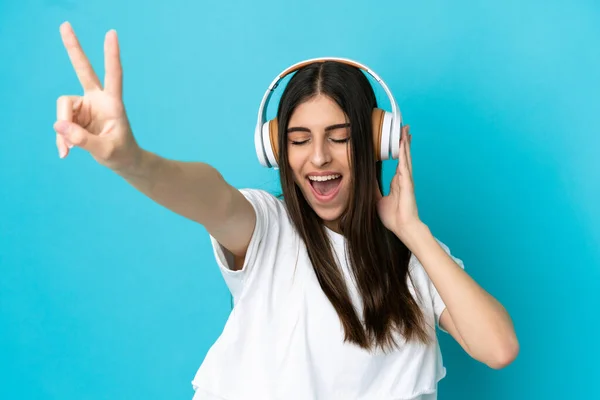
(402, 156)
(407, 150)
(87, 77)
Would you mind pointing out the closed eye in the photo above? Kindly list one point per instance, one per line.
(298, 142)
(340, 140)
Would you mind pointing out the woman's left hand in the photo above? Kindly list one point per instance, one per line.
(398, 210)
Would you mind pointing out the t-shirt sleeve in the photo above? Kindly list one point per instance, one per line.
(438, 304)
(267, 209)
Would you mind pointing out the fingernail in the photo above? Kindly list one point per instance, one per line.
(61, 127)
(62, 152)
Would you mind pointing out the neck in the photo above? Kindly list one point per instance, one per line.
(333, 225)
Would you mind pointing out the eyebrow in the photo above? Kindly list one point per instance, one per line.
(327, 129)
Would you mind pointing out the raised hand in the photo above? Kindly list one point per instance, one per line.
(96, 121)
(398, 210)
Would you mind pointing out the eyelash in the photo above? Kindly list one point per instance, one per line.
(340, 140)
(333, 140)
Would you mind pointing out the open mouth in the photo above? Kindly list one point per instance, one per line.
(325, 187)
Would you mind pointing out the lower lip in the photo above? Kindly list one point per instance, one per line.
(324, 199)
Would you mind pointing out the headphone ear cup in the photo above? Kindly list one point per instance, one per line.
(260, 147)
(387, 142)
(382, 131)
(274, 138)
(382, 124)
(270, 142)
(377, 124)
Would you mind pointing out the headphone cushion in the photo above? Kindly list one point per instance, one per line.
(377, 118)
(270, 141)
(274, 137)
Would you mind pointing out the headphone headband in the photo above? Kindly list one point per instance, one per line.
(262, 111)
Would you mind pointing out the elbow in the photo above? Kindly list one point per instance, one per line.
(504, 354)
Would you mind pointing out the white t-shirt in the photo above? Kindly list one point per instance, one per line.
(284, 340)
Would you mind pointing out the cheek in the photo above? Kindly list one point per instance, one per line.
(295, 162)
(343, 158)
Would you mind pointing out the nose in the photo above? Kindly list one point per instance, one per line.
(321, 154)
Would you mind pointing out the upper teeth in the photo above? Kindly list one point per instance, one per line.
(324, 177)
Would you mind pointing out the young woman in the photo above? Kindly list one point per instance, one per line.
(338, 289)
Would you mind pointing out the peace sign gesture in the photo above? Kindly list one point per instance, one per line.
(96, 121)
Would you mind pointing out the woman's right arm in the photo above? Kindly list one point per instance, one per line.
(97, 122)
(196, 191)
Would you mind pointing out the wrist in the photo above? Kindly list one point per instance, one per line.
(415, 236)
(136, 165)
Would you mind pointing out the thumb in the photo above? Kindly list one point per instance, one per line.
(78, 136)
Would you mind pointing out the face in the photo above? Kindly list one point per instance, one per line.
(318, 152)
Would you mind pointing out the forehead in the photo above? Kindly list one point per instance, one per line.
(317, 111)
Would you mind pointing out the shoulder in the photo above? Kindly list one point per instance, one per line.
(272, 217)
(272, 233)
(261, 197)
(266, 205)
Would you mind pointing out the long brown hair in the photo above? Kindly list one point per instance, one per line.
(377, 258)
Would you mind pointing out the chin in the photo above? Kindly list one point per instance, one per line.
(330, 212)
(329, 216)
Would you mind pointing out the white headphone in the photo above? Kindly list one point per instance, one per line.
(386, 125)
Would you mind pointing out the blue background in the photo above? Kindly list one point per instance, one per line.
(106, 295)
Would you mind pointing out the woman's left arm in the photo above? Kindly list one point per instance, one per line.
(472, 316)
